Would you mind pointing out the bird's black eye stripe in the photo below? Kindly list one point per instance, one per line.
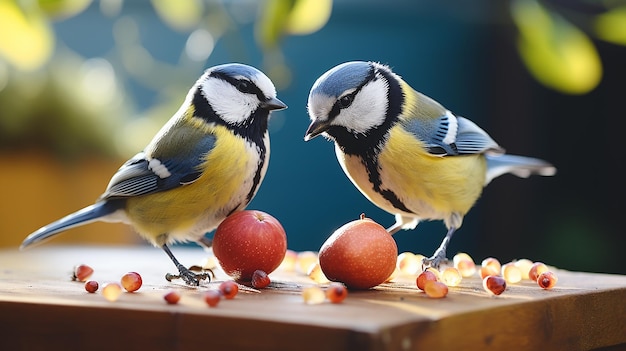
(243, 85)
(346, 100)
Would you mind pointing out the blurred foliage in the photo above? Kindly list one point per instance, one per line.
(555, 39)
(555, 52)
(47, 102)
(54, 99)
(26, 41)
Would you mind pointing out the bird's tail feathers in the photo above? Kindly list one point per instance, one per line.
(86, 215)
(520, 166)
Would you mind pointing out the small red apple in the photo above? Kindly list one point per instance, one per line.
(361, 254)
(247, 241)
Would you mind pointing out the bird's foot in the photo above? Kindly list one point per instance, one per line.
(435, 260)
(189, 277)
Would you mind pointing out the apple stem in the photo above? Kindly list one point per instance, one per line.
(362, 216)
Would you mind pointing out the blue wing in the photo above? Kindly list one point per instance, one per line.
(449, 135)
(145, 174)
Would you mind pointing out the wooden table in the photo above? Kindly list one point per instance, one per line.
(42, 309)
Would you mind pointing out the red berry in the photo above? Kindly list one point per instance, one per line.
(91, 286)
(547, 280)
(536, 269)
(435, 289)
(229, 289)
(260, 279)
(336, 292)
(131, 281)
(424, 277)
(494, 284)
(82, 272)
(172, 297)
(212, 297)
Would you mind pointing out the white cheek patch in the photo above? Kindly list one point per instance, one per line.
(368, 110)
(229, 103)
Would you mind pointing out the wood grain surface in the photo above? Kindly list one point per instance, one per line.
(42, 309)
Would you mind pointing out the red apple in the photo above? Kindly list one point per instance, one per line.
(361, 254)
(247, 241)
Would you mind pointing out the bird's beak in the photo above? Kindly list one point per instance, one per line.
(273, 104)
(316, 128)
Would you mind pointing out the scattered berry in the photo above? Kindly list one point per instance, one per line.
(172, 297)
(212, 297)
(409, 263)
(336, 292)
(304, 261)
(488, 270)
(547, 280)
(451, 276)
(316, 274)
(524, 265)
(91, 286)
(111, 291)
(82, 272)
(229, 289)
(131, 281)
(436, 289)
(491, 261)
(536, 269)
(424, 277)
(465, 264)
(511, 273)
(260, 279)
(494, 284)
(490, 266)
(313, 295)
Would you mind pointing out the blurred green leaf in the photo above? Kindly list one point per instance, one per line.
(298, 17)
(62, 9)
(611, 26)
(272, 19)
(181, 15)
(308, 16)
(555, 52)
(26, 40)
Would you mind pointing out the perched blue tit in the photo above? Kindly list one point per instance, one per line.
(205, 163)
(405, 152)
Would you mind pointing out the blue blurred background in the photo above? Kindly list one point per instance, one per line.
(85, 84)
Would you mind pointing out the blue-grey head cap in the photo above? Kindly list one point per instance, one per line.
(345, 76)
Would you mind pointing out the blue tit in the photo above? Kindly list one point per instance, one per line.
(405, 152)
(205, 163)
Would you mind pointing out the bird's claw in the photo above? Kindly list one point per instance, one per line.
(189, 277)
(435, 260)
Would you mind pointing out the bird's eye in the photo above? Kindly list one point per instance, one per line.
(244, 87)
(346, 101)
